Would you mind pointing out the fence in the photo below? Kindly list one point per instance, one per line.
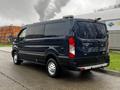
(114, 39)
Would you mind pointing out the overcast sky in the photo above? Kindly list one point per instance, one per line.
(20, 12)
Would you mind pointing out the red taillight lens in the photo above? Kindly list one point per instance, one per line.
(71, 47)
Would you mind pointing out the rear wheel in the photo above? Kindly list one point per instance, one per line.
(16, 60)
(53, 68)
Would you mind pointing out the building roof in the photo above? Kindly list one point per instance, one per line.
(105, 15)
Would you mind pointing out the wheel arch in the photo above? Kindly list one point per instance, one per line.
(13, 51)
(51, 53)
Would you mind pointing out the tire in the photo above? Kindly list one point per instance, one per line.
(16, 60)
(53, 68)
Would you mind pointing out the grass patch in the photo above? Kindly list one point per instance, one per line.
(5, 45)
(114, 61)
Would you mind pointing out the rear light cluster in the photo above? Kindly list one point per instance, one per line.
(71, 47)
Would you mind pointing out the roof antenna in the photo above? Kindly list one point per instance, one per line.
(97, 19)
(68, 17)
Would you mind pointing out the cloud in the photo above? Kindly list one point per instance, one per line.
(47, 9)
(18, 11)
(28, 11)
(77, 7)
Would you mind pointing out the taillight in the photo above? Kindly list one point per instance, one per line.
(71, 47)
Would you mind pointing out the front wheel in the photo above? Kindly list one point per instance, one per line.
(53, 68)
(16, 60)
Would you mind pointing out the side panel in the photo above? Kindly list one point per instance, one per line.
(39, 47)
(41, 38)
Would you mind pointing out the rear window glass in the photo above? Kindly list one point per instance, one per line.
(60, 28)
(90, 30)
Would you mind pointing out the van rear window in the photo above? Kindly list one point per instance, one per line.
(89, 30)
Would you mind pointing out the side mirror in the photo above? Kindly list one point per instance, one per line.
(11, 39)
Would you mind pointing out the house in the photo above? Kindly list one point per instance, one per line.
(8, 31)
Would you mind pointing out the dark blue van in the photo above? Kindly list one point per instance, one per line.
(68, 43)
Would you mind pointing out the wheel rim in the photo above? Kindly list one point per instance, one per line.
(51, 68)
(15, 58)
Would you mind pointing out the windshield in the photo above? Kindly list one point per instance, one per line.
(89, 30)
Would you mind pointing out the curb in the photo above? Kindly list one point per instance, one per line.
(110, 72)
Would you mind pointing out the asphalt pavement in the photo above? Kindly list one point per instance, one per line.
(29, 76)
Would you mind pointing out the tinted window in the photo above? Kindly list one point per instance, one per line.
(35, 30)
(61, 28)
(90, 30)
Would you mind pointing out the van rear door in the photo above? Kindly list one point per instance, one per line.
(91, 39)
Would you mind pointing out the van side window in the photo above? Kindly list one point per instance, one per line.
(35, 30)
(57, 29)
(23, 34)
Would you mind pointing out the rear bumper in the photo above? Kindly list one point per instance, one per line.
(93, 66)
(84, 63)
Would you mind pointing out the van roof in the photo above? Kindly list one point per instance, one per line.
(63, 19)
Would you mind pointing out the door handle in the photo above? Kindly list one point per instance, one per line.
(21, 42)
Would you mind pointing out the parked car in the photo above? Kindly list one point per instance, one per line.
(64, 44)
